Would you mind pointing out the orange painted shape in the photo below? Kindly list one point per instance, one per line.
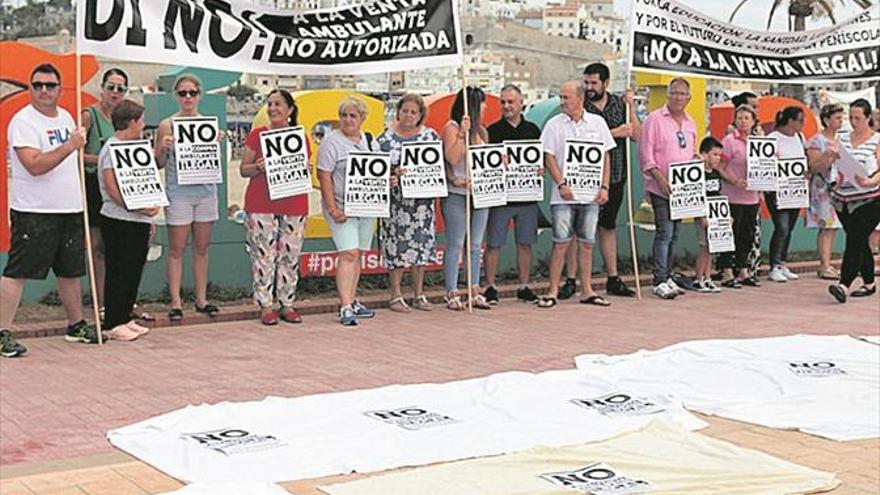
(439, 107)
(721, 115)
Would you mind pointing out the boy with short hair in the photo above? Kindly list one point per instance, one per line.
(710, 151)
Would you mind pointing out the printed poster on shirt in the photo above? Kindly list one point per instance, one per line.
(488, 175)
(287, 162)
(818, 369)
(687, 180)
(619, 404)
(792, 190)
(411, 418)
(234, 441)
(137, 175)
(761, 163)
(368, 185)
(524, 160)
(197, 150)
(583, 167)
(720, 230)
(425, 176)
(599, 479)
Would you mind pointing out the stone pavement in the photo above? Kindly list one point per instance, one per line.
(57, 403)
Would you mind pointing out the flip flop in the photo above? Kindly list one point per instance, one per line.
(596, 300)
(547, 302)
(864, 291)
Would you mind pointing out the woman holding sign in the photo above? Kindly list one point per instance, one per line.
(858, 202)
(821, 153)
(408, 237)
(193, 208)
(351, 235)
(275, 229)
(126, 232)
(454, 206)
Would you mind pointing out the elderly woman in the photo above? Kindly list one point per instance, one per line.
(821, 154)
(351, 235)
(275, 228)
(192, 208)
(126, 232)
(408, 237)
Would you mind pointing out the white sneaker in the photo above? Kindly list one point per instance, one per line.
(777, 275)
(788, 273)
(664, 291)
(672, 285)
(701, 287)
(709, 284)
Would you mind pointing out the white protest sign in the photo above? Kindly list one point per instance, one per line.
(287, 162)
(488, 175)
(687, 180)
(761, 164)
(720, 230)
(137, 175)
(524, 160)
(197, 150)
(368, 185)
(425, 175)
(583, 167)
(792, 188)
(599, 479)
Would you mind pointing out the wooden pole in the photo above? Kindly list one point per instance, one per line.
(629, 211)
(467, 196)
(82, 187)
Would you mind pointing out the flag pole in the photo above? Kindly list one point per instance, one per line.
(82, 187)
(629, 211)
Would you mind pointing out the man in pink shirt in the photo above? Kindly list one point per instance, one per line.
(669, 135)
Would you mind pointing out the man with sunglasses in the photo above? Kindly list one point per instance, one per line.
(46, 205)
(669, 135)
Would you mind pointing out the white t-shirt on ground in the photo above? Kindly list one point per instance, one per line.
(56, 191)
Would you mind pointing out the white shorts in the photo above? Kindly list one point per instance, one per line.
(185, 211)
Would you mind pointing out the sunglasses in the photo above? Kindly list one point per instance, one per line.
(192, 93)
(39, 86)
(116, 88)
(682, 142)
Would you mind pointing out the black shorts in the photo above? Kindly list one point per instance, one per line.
(608, 211)
(94, 201)
(41, 241)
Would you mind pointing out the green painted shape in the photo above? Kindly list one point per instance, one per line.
(543, 111)
(211, 79)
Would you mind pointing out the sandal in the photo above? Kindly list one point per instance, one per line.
(123, 332)
(547, 302)
(208, 309)
(828, 273)
(864, 291)
(175, 314)
(596, 300)
(421, 303)
(399, 305)
(143, 316)
(480, 302)
(453, 302)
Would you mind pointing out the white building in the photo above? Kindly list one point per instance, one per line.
(563, 20)
(611, 31)
(493, 8)
(532, 18)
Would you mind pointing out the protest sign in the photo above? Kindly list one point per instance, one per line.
(688, 184)
(137, 176)
(197, 150)
(670, 38)
(761, 163)
(792, 189)
(487, 175)
(368, 185)
(524, 160)
(287, 162)
(243, 36)
(425, 175)
(720, 230)
(583, 167)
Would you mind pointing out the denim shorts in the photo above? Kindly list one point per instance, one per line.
(525, 218)
(569, 219)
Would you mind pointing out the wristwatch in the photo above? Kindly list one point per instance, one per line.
(561, 184)
(603, 186)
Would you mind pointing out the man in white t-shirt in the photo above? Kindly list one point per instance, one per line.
(573, 217)
(46, 204)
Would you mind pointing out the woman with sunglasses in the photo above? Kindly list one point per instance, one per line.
(99, 128)
(789, 144)
(192, 208)
(275, 229)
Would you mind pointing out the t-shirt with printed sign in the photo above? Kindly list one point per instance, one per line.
(713, 183)
(56, 191)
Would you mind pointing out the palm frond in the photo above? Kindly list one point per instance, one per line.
(776, 4)
(828, 8)
(738, 6)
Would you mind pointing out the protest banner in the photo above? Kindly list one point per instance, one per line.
(287, 162)
(197, 150)
(488, 175)
(240, 35)
(425, 175)
(368, 185)
(720, 230)
(137, 175)
(583, 167)
(761, 163)
(792, 189)
(670, 38)
(524, 160)
(688, 184)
